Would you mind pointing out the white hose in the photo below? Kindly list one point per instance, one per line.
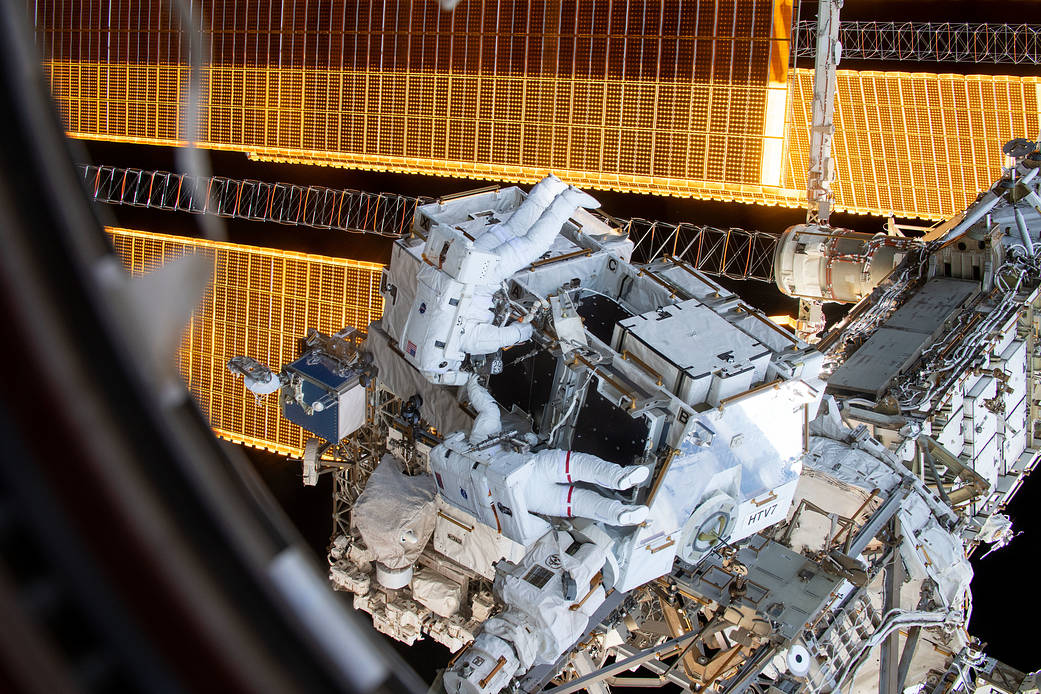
(1024, 234)
(889, 623)
(571, 407)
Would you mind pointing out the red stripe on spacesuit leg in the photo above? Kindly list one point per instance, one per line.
(567, 468)
(570, 491)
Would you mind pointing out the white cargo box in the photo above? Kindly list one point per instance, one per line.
(469, 542)
(699, 355)
(763, 510)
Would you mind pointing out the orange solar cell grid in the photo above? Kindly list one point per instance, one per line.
(639, 95)
(917, 145)
(642, 137)
(260, 303)
(681, 40)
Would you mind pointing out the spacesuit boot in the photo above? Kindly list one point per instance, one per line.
(565, 467)
(551, 489)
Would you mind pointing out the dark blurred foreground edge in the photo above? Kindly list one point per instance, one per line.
(136, 552)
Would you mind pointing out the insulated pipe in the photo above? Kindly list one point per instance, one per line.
(977, 212)
(1024, 233)
(1034, 200)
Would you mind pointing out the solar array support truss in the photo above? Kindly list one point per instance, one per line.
(385, 214)
(737, 254)
(928, 42)
(733, 253)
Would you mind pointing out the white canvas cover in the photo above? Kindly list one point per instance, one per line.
(395, 514)
(437, 593)
(440, 407)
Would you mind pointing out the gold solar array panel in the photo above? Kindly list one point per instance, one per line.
(684, 97)
(636, 95)
(259, 304)
(916, 144)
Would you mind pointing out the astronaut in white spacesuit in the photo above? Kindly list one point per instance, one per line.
(505, 488)
(562, 580)
(451, 315)
(552, 482)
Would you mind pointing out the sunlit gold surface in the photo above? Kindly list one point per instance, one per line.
(920, 145)
(260, 303)
(632, 95)
(632, 135)
(917, 145)
(687, 97)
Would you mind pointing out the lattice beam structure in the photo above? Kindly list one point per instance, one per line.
(736, 254)
(733, 253)
(385, 214)
(260, 303)
(927, 42)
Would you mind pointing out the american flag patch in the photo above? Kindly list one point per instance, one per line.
(411, 348)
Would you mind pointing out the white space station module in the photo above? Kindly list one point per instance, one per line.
(565, 466)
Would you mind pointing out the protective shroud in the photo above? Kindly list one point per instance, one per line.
(395, 514)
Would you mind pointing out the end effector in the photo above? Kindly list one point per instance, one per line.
(452, 314)
(258, 377)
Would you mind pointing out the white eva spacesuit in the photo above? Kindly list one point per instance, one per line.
(504, 488)
(560, 582)
(551, 594)
(452, 315)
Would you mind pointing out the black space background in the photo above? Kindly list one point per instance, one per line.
(1002, 607)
